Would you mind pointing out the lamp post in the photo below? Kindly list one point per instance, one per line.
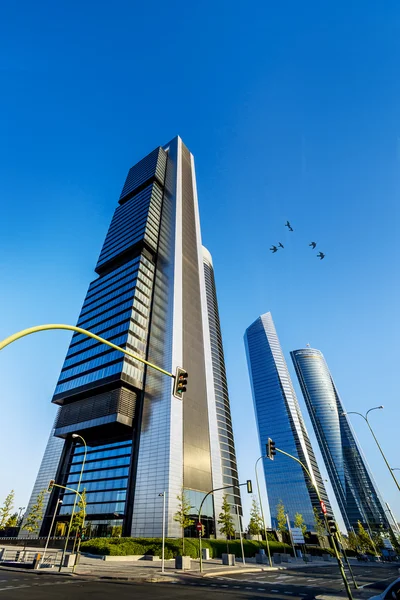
(74, 435)
(163, 533)
(262, 510)
(240, 533)
(51, 527)
(20, 508)
(365, 417)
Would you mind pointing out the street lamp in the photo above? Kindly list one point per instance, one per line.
(51, 527)
(163, 533)
(20, 508)
(262, 510)
(365, 417)
(74, 435)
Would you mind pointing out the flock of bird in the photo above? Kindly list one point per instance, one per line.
(313, 245)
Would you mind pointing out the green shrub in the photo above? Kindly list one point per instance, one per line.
(173, 547)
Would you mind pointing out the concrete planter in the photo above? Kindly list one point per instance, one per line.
(183, 562)
(228, 559)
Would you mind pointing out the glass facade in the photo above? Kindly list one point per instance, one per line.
(354, 487)
(225, 431)
(150, 298)
(278, 417)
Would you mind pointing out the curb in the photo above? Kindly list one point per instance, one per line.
(239, 571)
(36, 571)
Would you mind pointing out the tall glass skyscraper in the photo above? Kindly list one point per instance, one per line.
(152, 295)
(353, 484)
(279, 417)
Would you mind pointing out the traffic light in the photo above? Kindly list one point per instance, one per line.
(249, 486)
(332, 525)
(51, 485)
(271, 449)
(180, 382)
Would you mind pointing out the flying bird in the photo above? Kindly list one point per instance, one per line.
(313, 244)
(288, 225)
(274, 249)
(321, 255)
(281, 245)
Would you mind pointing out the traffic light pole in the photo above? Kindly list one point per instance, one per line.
(225, 487)
(337, 555)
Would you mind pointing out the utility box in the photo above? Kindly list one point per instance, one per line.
(228, 559)
(183, 562)
(205, 553)
(69, 560)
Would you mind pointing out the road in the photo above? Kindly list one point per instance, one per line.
(297, 584)
(306, 582)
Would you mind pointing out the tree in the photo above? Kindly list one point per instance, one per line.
(35, 515)
(181, 516)
(256, 522)
(299, 522)
(319, 523)
(6, 509)
(364, 541)
(13, 520)
(226, 521)
(281, 517)
(353, 541)
(79, 514)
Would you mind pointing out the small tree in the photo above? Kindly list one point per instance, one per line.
(226, 521)
(79, 514)
(256, 522)
(319, 523)
(364, 541)
(181, 516)
(299, 522)
(12, 521)
(353, 541)
(6, 509)
(281, 518)
(35, 515)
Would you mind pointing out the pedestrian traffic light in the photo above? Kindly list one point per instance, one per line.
(51, 485)
(180, 382)
(249, 486)
(271, 449)
(332, 525)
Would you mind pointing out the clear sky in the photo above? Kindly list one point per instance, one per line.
(292, 112)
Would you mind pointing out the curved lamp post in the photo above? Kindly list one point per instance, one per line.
(365, 417)
(74, 435)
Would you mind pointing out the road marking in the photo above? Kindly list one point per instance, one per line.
(290, 593)
(261, 589)
(277, 591)
(248, 588)
(224, 585)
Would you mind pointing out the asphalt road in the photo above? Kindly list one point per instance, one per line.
(307, 582)
(297, 584)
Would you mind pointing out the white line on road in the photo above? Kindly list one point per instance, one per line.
(261, 589)
(277, 591)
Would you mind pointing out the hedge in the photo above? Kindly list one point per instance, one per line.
(173, 547)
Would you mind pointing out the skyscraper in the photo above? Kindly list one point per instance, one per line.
(279, 417)
(150, 297)
(355, 490)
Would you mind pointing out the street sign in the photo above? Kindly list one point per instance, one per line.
(297, 535)
(199, 526)
(323, 507)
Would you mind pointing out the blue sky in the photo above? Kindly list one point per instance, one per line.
(292, 112)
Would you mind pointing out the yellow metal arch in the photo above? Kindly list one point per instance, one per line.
(24, 332)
